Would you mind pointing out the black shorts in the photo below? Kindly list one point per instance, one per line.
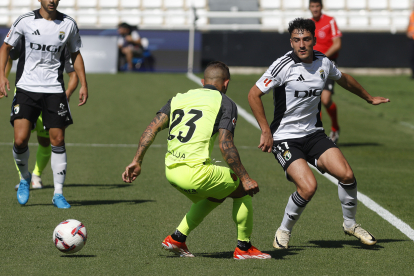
(54, 107)
(310, 148)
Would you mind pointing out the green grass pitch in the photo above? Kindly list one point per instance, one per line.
(126, 223)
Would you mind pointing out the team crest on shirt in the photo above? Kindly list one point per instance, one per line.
(287, 155)
(322, 72)
(61, 35)
(16, 109)
(234, 121)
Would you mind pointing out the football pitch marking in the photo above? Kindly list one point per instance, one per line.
(369, 203)
(407, 125)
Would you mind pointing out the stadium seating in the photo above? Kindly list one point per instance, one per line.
(378, 15)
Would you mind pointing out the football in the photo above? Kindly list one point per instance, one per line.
(69, 236)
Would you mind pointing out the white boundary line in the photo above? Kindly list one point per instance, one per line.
(369, 203)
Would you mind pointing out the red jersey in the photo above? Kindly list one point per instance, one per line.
(326, 31)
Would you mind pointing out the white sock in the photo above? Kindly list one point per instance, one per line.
(59, 163)
(348, 196)
(21, 156)
(294, 209)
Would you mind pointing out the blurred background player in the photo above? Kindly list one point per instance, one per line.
(195, 119)
(328, 41)
(43, 150)
(40, 88)
(410, 35)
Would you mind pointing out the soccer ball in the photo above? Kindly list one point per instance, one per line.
(69, 236)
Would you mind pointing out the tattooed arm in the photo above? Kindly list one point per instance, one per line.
(232, 158)
(133, 170)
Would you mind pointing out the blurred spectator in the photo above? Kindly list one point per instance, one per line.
(129, 43)
(410, 35)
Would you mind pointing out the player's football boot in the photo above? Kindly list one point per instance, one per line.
(334, 135)
(251, 253)
(363, 235)
(23, 191)
(36, 183)
(178, 248)
(60, 201)
(281, 240)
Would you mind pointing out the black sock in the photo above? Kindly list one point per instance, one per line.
(178, 236)
(244, 245)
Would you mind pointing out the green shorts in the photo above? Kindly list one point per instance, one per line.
(204, 181)
(41, 131)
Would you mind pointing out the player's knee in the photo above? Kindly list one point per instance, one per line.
(308, 191)
(21, 142)
(57, 141)
(348, 177)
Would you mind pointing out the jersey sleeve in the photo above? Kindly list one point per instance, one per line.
(228, 115)
(135, 35)
(15, 33)
(74, 40)
(334, 73)
(334, 29)
(274, 75)
(166, 109)
(68, 62)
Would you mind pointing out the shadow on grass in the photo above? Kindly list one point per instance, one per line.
(276, 254)
(354, 243)
(100, 202)
(101, 186)
(78, 256)
(344, 145)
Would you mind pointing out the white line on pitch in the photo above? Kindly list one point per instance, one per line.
(369, 203)
(407, 125)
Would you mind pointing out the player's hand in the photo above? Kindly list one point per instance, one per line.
(250, 186)
(266, 142)
(4, 83)
(379, 100)
(83, 95)
(132, 171)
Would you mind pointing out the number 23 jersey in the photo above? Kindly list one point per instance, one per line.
(297, 93)
(195, 119)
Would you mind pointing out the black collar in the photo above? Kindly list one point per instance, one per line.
(296, 59)
(209, 86)
(59, 15)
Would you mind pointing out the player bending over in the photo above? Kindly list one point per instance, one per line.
(296, 135)
(43, 150)
(40, 88)
(195, 119)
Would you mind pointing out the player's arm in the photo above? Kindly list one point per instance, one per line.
(72, 85)
(9, 66)
(232, 158)
(336, 46)
(133, 170)
(79, 67)
(4, 57)
(350, 84)
(256, 104)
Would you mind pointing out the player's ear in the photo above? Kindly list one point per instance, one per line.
(291, 43)
(202, 82)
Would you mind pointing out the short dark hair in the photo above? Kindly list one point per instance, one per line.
(316, 1)
(302, 24)
(221, 66)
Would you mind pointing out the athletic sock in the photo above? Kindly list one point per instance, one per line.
(59, 163)
(196, 215)
(178, 236)
(294, 209)
(243, 217)
(21, 157)
(42, 158)
(348, 196)
(334, 118)
(244, 245)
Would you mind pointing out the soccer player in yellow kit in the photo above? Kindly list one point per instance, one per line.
(195, 119)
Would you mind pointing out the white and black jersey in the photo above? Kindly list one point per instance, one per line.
(297, 93)
(42, 59)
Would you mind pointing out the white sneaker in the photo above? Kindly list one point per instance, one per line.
(363, 235)
(36, 183)
(281, 240)
(334, 135)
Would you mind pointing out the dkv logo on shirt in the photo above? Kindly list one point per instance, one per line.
(48, 48)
